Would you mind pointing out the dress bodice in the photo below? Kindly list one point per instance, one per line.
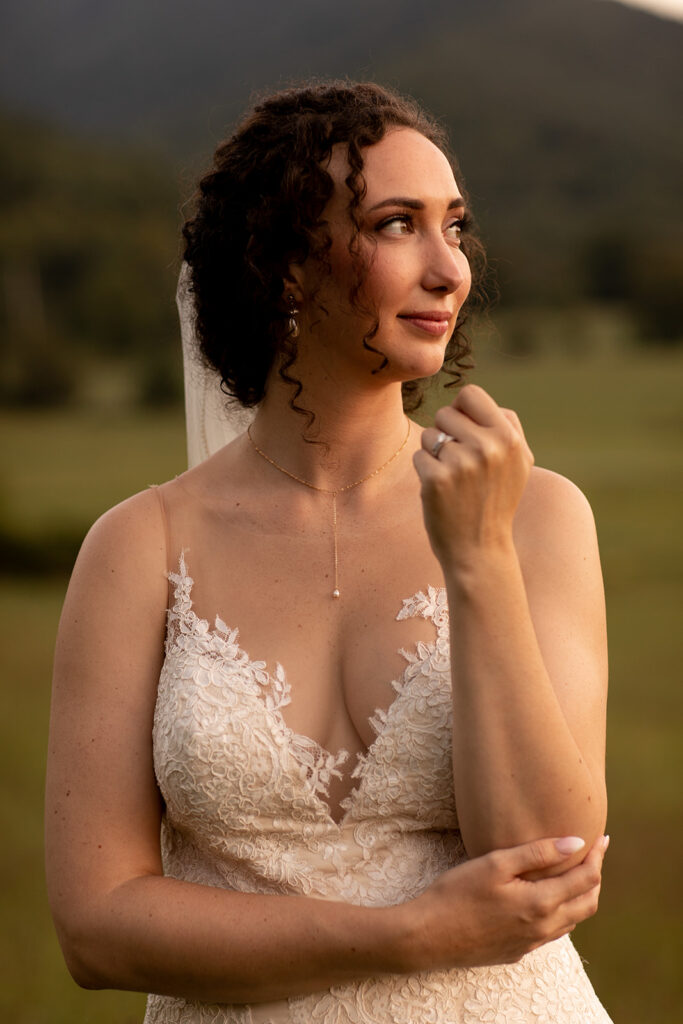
(246, 809)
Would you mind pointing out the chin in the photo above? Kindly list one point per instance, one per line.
(427, 365)
(408, 362)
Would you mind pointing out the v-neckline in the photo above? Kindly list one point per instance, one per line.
(326, 762)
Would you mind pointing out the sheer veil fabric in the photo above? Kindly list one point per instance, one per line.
(212, 420)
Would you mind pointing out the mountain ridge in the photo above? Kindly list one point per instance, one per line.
(565, 116)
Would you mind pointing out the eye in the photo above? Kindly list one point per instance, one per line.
(457, 228)
(454, 230)
(399, 224)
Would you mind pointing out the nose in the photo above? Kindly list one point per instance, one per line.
(446, 268)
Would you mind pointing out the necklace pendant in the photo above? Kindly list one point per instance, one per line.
(328, 490)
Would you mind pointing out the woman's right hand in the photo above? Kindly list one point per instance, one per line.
(486, 912)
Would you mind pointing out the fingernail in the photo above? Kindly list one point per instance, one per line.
(605, 842)
(569, 844)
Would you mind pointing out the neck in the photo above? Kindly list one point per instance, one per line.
(359, 432)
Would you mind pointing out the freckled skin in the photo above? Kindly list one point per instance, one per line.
(508, 648)
(416, 264)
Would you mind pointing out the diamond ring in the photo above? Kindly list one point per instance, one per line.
(441, 440)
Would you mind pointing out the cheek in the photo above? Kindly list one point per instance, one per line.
(387, 279)
(343, 278)
(463, 289)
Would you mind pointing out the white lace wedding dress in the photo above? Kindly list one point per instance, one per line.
(246, 810)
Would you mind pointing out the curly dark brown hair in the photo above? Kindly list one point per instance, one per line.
(260, 209)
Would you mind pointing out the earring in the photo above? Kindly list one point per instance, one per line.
(292, 323)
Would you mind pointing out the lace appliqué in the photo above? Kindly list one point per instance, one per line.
(220, 646)
(547, 986)
(246, 810)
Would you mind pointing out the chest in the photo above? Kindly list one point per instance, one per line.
(340, 656)
(223, 723)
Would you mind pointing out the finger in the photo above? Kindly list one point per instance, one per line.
(578, 880)
(431, 442)
(582, 907)
(593, 860)
(512, 418)
(515, 422)
(596, 853)
(430, 436)
(554, 922)
(466, 430)
(536, 855)
(572, 885)
(478, 405)
(426, 465)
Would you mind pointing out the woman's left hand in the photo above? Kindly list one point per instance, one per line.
(471, 488)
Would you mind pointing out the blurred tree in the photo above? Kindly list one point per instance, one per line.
(644, 274)
(609, 267)
(35, 369)
(657, 296)
(88, 259)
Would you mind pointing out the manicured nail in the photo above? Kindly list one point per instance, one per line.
(569, 844)
(605, 842)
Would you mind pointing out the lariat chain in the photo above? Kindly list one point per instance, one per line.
(334, 491)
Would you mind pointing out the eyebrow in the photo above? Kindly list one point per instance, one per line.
(415, 204)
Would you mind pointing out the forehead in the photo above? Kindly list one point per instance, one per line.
(404, 163)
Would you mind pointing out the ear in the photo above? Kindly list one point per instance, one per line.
(293, 283)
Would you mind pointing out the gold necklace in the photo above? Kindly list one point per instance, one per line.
(334, 492)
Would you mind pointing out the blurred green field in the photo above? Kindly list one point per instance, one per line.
(612, 424)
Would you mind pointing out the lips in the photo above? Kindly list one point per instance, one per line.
(434, 322)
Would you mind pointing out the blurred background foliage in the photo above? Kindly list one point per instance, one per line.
(88, 236)
(565, 118)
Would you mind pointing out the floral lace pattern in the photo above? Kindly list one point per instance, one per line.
(246, 809)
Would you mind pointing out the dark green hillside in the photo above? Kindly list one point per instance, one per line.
(88, 258)
(566, 115)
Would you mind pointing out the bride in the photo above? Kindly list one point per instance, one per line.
(327, 733)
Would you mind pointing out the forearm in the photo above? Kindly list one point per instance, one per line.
(519, 773)
(157, 934)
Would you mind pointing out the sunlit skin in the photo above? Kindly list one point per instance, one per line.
(483, 504)
(414, 264)
(410, 242)
(515, 548)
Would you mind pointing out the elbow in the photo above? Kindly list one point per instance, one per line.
(585, 819)
(81, 963)
(98, 939)
(82, 973)
(83, 955)
(596, 815)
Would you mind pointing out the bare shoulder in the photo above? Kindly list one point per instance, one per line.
(552, 506)
(550, 492)
(555, 534)
(122, 564)
(130, 532)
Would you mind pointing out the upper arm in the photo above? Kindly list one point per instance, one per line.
(102, 804)
(557, 546)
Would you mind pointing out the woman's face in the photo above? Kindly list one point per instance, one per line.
(416, 276)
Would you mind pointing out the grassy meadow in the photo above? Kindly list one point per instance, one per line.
(612, 423)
